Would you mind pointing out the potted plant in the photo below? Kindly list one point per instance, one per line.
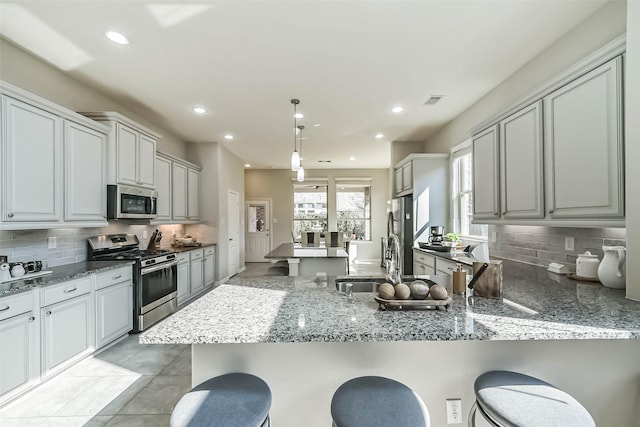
(451, 239)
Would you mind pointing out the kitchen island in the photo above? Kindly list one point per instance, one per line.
(304, 339)
(310, 261)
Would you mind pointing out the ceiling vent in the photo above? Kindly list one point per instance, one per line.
(324, 161)
(433, 99)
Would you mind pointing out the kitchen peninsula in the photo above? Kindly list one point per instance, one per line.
(304, 339)
(309, 261)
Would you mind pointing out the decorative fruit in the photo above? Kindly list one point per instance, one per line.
(438, 292)
(419, 289)
(402, 291)
(386, 291)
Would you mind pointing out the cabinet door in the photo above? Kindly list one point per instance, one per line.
(163, 186)
(179, 193)
(398, 180)
(183, 282)
(521, 164)
(407, 176)
(31, 163)
(485, 174)
(146, 161)
(197, 279)
(193, 186)
(583, 146)
(66, 332)
(18, 336)
(126, 154)
(114, 312)
(85, 173)
(209, 270)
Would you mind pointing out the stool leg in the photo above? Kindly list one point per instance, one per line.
(472, 412)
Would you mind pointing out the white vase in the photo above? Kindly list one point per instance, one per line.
(611, 271)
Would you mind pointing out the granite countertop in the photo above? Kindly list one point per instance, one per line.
(289, 250)
(536, 305)
(59, 274)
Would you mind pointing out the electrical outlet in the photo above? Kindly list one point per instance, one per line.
(494, 236)
(569, 243)
(454, 411)
(52, 242)
(144, 234)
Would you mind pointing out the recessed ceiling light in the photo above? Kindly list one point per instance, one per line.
(398, 109)
(247, 165)
(379, 135)
(317, 125)
(298, 115)
(116, 37)
(199, 110)
(352, 158)
(228, 136)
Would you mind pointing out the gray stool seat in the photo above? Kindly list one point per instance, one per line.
(231, 400)
(512, 399)
(377, 402)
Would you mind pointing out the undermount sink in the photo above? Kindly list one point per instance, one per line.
(365, 284)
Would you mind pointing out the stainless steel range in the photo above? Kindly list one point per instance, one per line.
(155, 280)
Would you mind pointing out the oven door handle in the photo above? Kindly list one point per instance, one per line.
(162, 266)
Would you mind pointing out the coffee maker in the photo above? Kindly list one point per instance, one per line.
(437, 233)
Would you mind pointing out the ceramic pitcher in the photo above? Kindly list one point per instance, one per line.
(611, 271)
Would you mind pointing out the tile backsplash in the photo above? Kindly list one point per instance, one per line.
(71, 243)
(542, 245)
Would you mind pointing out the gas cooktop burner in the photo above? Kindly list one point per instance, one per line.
(137, 254)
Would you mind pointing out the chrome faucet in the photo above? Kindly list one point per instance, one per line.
(394, 261)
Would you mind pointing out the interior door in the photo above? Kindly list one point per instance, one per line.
(258, 237)
(233, 210)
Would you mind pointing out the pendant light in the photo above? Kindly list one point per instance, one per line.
(295, 157)
(300, 176)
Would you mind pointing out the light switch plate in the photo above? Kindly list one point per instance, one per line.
(454, 411)
(569, 243)
(52, 242)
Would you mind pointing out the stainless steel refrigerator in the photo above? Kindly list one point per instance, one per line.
(400, 222)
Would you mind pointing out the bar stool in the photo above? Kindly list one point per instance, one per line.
(510, 399)
(377, 402)
(231, 400)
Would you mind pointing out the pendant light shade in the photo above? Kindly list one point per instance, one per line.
(295, 157)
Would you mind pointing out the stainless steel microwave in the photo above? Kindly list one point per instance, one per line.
(126, 202)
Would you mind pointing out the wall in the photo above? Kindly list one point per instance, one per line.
(34, 75)
(632, 146)
(221, 171)
(542, 245)
(277, 186)
(603, 26)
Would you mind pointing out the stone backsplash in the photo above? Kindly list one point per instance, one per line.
(71, 243)
(542, 245)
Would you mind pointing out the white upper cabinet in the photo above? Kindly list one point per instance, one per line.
(31, 163)
(131, 150)
(193, 187)
(583, 146)
(85, 173)
(521, 178)
(179, 193)
(163, 187)
(486, 174)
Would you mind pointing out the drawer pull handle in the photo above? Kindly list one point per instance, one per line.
(48, 313)
(551, 211)
(10, 215)
(32, 318)
(68, 291)
(117, 277)
(5, 308)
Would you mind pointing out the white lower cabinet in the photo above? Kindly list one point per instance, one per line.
(197, 273)
(19, 348)
(209, 266)
(423, 264)
(184, 277)
(114, 312)
(444, 266)
(66, 323)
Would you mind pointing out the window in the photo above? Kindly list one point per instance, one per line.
(309, 208)
(463, 196)
(353, 210)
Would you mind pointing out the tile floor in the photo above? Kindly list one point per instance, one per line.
(128, 384)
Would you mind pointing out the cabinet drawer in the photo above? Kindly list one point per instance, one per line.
(65, 291)
(449, 267)
(16, 304)
(197, 254)
(423, 258)
(183, 257)
(209, 251)
(110, 278)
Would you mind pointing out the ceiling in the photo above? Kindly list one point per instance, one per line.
(349, 63)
